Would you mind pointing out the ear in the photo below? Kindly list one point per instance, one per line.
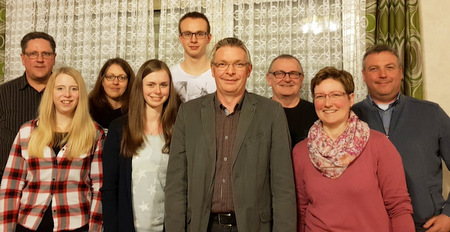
(209, 38)
(249, 70)
(352, 99)
(22, 57)
(269, 79)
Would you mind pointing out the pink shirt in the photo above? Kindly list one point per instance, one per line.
(369, 196)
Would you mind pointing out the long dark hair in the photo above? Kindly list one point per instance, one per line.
(97, 97)
(133, 131)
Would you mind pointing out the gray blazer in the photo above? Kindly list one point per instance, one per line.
(262, 175)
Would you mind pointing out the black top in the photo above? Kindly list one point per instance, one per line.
(19, 103)
(104, 115)
(300, 119)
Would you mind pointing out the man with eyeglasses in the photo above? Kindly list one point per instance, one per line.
(20, 98)
(419, 130)
(286, 76)
(192, 77)
(230, 166)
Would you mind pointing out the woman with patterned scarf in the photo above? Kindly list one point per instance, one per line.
(348, 177)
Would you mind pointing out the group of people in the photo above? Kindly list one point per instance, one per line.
(188, 148)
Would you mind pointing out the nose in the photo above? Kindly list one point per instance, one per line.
(327, 100)
(231, 69)
(67, 93)
(40, 58)
(158, 89)
(382, 72)
(116, 81)
(194, 38)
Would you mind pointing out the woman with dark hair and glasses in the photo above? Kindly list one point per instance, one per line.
(108, 99)
(348, 177)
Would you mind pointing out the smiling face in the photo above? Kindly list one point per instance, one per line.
(65, 95)
(287, 86)
(383, 76)
(156, 89)
(38, 69)
(193, 46)
(114, 89)
(332, 104)
(231, 81)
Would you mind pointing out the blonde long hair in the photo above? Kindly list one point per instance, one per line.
(81, 132)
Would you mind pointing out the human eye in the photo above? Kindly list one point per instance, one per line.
(221, 65)
(239, 65)
(74, 88)
(201, 34)
(186, 34)
(373, 69)
(390, 67)
(59, 88)
(47, 54)
(165, 84)
(336, 95)
(279, 74)
(123, 78)
(294, 74)
(319, 96)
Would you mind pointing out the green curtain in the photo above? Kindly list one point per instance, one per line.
(2, 39)
(396, 22)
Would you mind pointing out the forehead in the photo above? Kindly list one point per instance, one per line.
(286, 64)
(65, 79)
(157, 76)
(38, 45)
(329, 85)
(115, 68)
(230, 53)
(193, 25)
(381, 58)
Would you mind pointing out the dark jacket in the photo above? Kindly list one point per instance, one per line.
(420, 130)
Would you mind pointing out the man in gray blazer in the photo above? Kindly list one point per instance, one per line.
(230, 166)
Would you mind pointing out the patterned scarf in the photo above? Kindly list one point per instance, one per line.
(333, 157)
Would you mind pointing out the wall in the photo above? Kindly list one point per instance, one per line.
(436, 47)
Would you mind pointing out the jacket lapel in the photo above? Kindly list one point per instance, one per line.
(245, 119)
(208, 124)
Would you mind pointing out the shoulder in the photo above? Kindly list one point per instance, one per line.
(422, 104)
(13, 85)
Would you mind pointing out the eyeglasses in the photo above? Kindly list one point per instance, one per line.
(224, 66)
(35, 55)
(320, 97)
(121, 78)
(281, 74)
(198, 35)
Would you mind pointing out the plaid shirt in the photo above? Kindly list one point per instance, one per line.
(30, 183)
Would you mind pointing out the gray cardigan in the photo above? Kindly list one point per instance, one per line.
(420, 130)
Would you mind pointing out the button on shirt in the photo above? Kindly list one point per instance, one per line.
(30, 184)
(226, 127)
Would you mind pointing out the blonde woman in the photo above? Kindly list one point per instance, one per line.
(53, 174)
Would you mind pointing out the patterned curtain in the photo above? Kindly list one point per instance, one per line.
(318, 32)
(86, 32)
(2, 38)
(396, 22)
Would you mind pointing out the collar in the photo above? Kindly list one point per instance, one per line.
(221, 107)
(391, 105)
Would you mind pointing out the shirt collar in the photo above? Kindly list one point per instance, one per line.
(391, 105)
(219, 105)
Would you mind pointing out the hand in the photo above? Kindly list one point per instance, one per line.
(440, 223)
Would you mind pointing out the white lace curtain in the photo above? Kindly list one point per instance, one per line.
(318, 32)
(87, 32)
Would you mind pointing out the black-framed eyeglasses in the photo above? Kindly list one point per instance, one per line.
(198, 34)
(35, 55)
(281, 74)
(112, 77)
(225, 66)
